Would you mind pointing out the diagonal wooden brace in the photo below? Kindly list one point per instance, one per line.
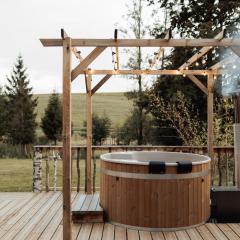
(87, 61)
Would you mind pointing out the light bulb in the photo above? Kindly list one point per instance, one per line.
(215, 77)
(187, 68)
(197, 64)
(234, 66)
(184, 75)
(204, 61)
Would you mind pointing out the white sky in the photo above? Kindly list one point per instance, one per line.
(23, 22)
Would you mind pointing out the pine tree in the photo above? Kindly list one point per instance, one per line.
(21, 119)
(51, 123)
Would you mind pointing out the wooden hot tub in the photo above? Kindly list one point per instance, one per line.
(151, 190)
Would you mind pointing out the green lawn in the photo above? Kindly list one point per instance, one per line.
(16, 174)
(115, 105)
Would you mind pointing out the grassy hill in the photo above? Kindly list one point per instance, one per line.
(115, 105)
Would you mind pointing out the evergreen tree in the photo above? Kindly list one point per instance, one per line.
(3, 114)
(51, 122)
(21, 120)
(101, 128)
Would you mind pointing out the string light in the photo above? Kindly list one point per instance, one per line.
(204, 61)
(187, 67)
(234, 66)
(215, 77)
(197, 64)
(184, 75)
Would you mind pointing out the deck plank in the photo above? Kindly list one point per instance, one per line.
(132, 234)
(144, 235)
(108, 232)
(120, 233)
(39, 216)
(182, 235)
(94, 202)
(15, 223)
(194, 234)
(170, 235)
(228, 231)
(97, 231)
(87, 202)
(216, 232)
(205, 233)
(40, 225)
(235, 227)
(34, 220)
(85, 231)
(157, 236)
(49, 231)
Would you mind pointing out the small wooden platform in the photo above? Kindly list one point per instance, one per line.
(31, 216)
(87, 209)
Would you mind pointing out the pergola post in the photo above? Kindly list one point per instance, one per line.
(210, 84)
(88, 79)
(67, 213)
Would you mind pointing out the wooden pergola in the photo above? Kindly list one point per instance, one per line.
(70, 45)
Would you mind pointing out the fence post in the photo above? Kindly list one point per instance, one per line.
(37, 171)
(78, 169)
(55, 158)
(47, 173)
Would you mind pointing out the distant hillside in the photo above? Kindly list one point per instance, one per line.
(115, 105)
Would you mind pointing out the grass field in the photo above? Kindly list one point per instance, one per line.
(16, 174)
(115, 105)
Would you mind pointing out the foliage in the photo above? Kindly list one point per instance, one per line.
(200, 18)
(21, 104)
(223, 121)
(129, 131)
(192, 19)
(101, 128)
(178, 114)
(3, 114)
(51, 122)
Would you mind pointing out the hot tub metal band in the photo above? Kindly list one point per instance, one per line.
(166, 176)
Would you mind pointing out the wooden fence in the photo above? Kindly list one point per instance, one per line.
(47, 164)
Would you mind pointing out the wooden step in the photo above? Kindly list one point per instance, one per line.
(87, 209)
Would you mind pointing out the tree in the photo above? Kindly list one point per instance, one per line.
(137, 29)
(128, 132)
(21, 116)
(101, 128)
(204, 19)
(51, 122)
(3, 114)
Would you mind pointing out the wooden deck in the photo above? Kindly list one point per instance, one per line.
(39, 216)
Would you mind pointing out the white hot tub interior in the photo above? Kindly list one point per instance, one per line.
(144, 157)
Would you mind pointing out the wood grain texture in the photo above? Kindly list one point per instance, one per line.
(155, 203)
(67, 162)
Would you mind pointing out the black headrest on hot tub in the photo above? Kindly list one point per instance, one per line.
(184, 167)
(156, 167)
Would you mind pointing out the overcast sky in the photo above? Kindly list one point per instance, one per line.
(23, 22)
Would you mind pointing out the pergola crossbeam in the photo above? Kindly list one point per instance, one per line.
(144, 42)
(87, 61)
(201, 52)
(100, 83)
(151, 72)
(198, 83)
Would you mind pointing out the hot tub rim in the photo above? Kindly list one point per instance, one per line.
(136, 162)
